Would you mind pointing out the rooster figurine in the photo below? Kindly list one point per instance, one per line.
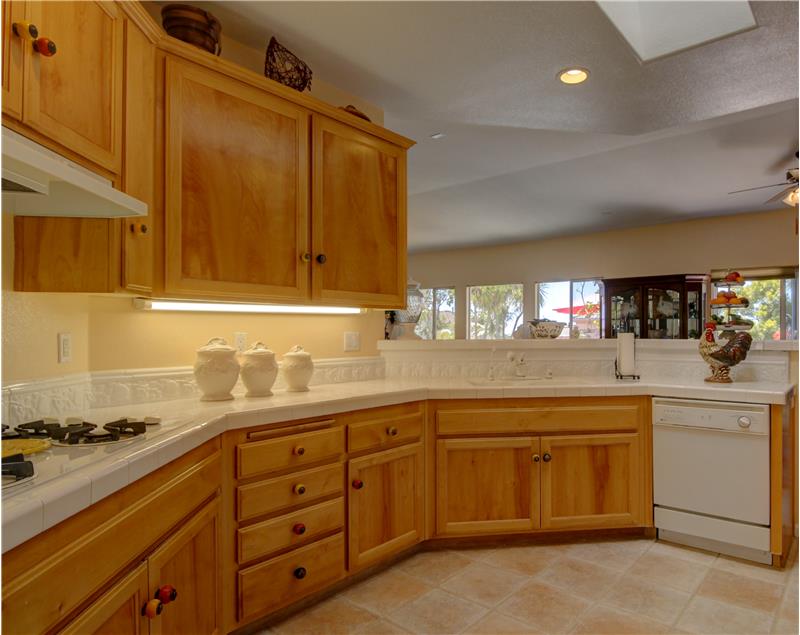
(722, 356)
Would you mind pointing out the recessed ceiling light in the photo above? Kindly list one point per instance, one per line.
(437, 135)
(573, 75)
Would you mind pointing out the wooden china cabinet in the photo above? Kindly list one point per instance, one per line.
(659, 307)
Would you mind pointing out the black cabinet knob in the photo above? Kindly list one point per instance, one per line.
(546, 458)
(322, 259)
(300, 573)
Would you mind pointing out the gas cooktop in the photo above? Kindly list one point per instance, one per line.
(75, 431)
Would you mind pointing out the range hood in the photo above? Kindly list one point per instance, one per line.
(39, 182)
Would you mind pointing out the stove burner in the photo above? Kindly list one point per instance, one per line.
(78, 432)
(16, 468)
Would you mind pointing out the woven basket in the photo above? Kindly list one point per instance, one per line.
(192, 25)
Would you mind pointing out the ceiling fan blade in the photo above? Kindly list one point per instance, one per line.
(762, 187)
(781, 163)
(781, 194)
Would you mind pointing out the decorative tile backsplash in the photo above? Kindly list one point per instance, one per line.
(74, 395)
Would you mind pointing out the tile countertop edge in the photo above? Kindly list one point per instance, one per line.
(111, 474)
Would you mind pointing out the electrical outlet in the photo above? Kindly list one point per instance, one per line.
(64, 348)
(240, 341)
(352, 341)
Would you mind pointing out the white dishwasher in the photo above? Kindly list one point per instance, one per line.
(711, 475)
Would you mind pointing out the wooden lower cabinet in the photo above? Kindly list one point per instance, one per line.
(591, 481)
(189, 562)
(487, 485)
(385, 504)
(118, 611)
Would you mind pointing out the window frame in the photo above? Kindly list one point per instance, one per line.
(601, 302)
(467, 301)
(434, 309)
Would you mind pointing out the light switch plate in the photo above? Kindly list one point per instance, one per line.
(64, 348)
(352, 341)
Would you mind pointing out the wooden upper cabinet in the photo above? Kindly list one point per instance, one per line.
(385, 504)
(487, 485)
(13, 11)
(117, 611)
(359, 217)
(189, 562)
(591, 481)
(138, 171)
(236, 188)
(75, 96)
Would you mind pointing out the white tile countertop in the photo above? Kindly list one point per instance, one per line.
(71, 479)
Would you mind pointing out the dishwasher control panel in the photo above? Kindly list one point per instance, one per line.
(718, 415)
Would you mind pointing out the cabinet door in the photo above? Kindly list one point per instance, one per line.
(487, 485)
(139, 158)
(591, 481)
(385, 504)
(236, 189)
(189, 561)
(13, 11)
(359, 217)
(118, 611)
(75, 96)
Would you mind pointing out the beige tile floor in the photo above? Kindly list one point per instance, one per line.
(634, 586)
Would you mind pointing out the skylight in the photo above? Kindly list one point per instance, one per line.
(657, 28)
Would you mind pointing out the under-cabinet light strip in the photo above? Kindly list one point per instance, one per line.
(226, 307)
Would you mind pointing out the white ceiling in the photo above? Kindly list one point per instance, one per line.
(525, 156)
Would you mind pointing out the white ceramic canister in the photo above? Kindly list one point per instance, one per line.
(297, 369)
(216, 370)
(259, 370)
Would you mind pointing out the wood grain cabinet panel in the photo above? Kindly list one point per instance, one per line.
(591, 481)
(385, 504)
(189, 561)
(13, 11)
(118, 611)
(236, 188)
(487, 485)
(75, 96)
(358, 217)
(292, 451)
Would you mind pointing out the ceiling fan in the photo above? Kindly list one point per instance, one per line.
(789, 194)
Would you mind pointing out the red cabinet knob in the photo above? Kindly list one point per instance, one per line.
(152, 608)
(167, 594)
(299, 489)
(358, 483)
(299, 529)
(44, 46)
(299, 450)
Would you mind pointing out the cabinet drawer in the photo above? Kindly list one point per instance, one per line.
(268, 586)
(589, 417)
(290, 530)
(368, 435)
(298, 488)
(283, 453)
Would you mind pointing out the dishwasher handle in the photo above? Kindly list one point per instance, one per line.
(683, 426)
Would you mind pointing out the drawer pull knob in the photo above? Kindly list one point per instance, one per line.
(536, 458)
(299, 450)
(25, 30)
(167, 594)
(300, 573)
(152, 609)
(322, 259)
(44, 47)
(391, 431)
(306, 257)
(299, 489)
(358, 483)
(547, 458)
(299, 529)
(141, 227)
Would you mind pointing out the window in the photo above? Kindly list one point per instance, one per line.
(493, 311)
(576, 302)
(773, 303)
(438, 318)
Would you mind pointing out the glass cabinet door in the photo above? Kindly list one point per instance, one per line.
(625, 311)
(694, 314)
(664, 308)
